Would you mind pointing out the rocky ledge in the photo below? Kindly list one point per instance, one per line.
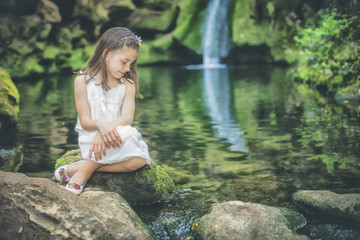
(38, 208)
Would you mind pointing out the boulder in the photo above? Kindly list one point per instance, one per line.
(239, 220)
(38, 208)
(147, 185)
(9, 99)
(343, 206)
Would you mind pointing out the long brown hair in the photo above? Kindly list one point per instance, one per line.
(113, 39)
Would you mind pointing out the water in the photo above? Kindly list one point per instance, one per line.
(240, 133)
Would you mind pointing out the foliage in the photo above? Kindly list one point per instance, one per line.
(328, 56)
(9, 97)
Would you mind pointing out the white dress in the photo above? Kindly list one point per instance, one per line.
(107, 105)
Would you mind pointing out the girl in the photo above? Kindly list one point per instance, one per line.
(105, 101)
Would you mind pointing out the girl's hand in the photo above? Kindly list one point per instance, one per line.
(109, 134)
(97, 147)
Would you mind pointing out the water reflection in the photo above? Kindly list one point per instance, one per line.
(217, 96)
(297, 138)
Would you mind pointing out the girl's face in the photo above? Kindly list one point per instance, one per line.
(118, 62)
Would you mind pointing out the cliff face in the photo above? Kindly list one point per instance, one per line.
(39, 36)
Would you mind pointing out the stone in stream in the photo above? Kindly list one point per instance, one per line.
(249, 221)
(147, 185)
(344, 206)
(38, 208)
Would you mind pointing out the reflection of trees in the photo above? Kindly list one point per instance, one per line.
(298, 131)
(217, 96)
(46, 109)
(329, 132)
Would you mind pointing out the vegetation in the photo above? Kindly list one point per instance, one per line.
(327, 55)
(9, 98)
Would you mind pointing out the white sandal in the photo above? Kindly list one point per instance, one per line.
(75, 188)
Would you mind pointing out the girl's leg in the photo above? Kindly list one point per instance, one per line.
(84, 172)
(126, 166)
(130, 165)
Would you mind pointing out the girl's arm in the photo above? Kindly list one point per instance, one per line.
(109, 134)
(128, 106)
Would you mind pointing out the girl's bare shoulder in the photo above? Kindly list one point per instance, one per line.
(80, 78)
(80, 81)
(129, 85)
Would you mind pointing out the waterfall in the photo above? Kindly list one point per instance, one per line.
(216, 42)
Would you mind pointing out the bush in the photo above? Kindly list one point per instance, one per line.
(327, 55)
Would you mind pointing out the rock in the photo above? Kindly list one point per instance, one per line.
(49, 10)
(239, 220)
(9, 99)
(262, 188)
(38, 208)
(96, 13)
(156, 5)
(146, 185)
(145, 20)
(345, 206)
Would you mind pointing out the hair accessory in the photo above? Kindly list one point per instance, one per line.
(139, 39)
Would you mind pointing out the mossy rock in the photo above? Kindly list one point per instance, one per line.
(149, 184)
(9, 99)
(150, 20)
(323, 202)
(189, 24)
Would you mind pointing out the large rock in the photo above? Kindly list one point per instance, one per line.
(9, 99)
(239, 220)
(38, 208)
(344, 206)
(147, 185)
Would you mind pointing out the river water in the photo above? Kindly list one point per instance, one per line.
(245, 133)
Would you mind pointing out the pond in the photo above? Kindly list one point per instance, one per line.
(245, 133)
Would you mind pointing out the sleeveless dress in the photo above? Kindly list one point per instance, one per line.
(107, 105)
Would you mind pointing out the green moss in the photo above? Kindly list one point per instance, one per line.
(31, 64)
(50, 52)
(248, 30)
(69, 157)
(189, 24)
(153, 20)
(245, 30)
(162, 182)
(9, 96)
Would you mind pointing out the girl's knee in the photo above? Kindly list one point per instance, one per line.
(135, 164)
(91, 165)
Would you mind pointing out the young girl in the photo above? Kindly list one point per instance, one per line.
(105, 101)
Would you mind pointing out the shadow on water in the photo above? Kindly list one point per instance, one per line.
(243, 133)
